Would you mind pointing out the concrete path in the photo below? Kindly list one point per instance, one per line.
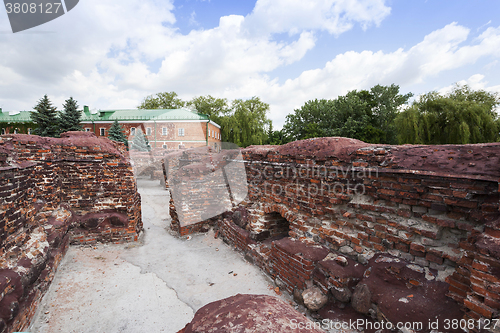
(155, 285)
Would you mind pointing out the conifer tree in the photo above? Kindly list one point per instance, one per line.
(140, 142)
(45, 116)
(69, 119)
(116, 133)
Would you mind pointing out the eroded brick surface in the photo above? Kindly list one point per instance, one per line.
(435, 207)
(53, 192)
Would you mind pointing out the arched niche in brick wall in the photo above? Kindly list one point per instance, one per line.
(270, 223)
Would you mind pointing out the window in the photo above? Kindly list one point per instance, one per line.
(15, 130)
(164, 131)
(132, 131)
(87, 129)
(3, 131)
(148, 130)
(102, 131)
(164, 146)
(29, 131)
(181, 131)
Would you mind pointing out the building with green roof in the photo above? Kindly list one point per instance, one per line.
(164, 128)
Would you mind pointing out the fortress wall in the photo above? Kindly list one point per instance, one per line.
(53, 192)
(432, 206)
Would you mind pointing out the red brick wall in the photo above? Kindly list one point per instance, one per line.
(78, 189)
(424, 204)
(193, 131)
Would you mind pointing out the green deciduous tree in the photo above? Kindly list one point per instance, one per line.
(247, 124)
(276, 137)
(117, 133)
(163, 100)
(385, 106)
(299, 125)
(45, 117)
(460, 117)
(211, 106)
(140, 142)
(364, 115)
(69, 119)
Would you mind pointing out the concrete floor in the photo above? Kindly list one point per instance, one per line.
(154, 285)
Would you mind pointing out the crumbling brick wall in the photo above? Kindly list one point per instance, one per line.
(426, 205)
(203, 184)
(78, 189)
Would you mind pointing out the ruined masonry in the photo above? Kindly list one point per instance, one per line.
(77, 189)
(387, 233)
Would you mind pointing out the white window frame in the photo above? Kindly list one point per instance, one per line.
(102, 131)
(3, 131)
(180, 132)
(132, 131)
(15, 130)
(148, 131)
(164, 131)
(29, 130)
(86, 129)
(164, 146)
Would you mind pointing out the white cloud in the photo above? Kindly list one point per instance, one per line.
(192, 19)
(102, 53)
(475, 82)
(439, 51)
(334, 16)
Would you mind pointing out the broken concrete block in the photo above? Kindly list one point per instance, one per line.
(364, 257)
(314, 299)
(297, 296)
(361, 298)
(341, 294)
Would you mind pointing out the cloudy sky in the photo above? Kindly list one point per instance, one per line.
(111, 54)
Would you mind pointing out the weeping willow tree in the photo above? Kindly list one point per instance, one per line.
(246, 123)
(462, 116)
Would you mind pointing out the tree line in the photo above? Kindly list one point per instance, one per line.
(378, 115)
(383, 115)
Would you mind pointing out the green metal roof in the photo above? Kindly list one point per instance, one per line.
(142, 114)
(21, 117)
(120, 115)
